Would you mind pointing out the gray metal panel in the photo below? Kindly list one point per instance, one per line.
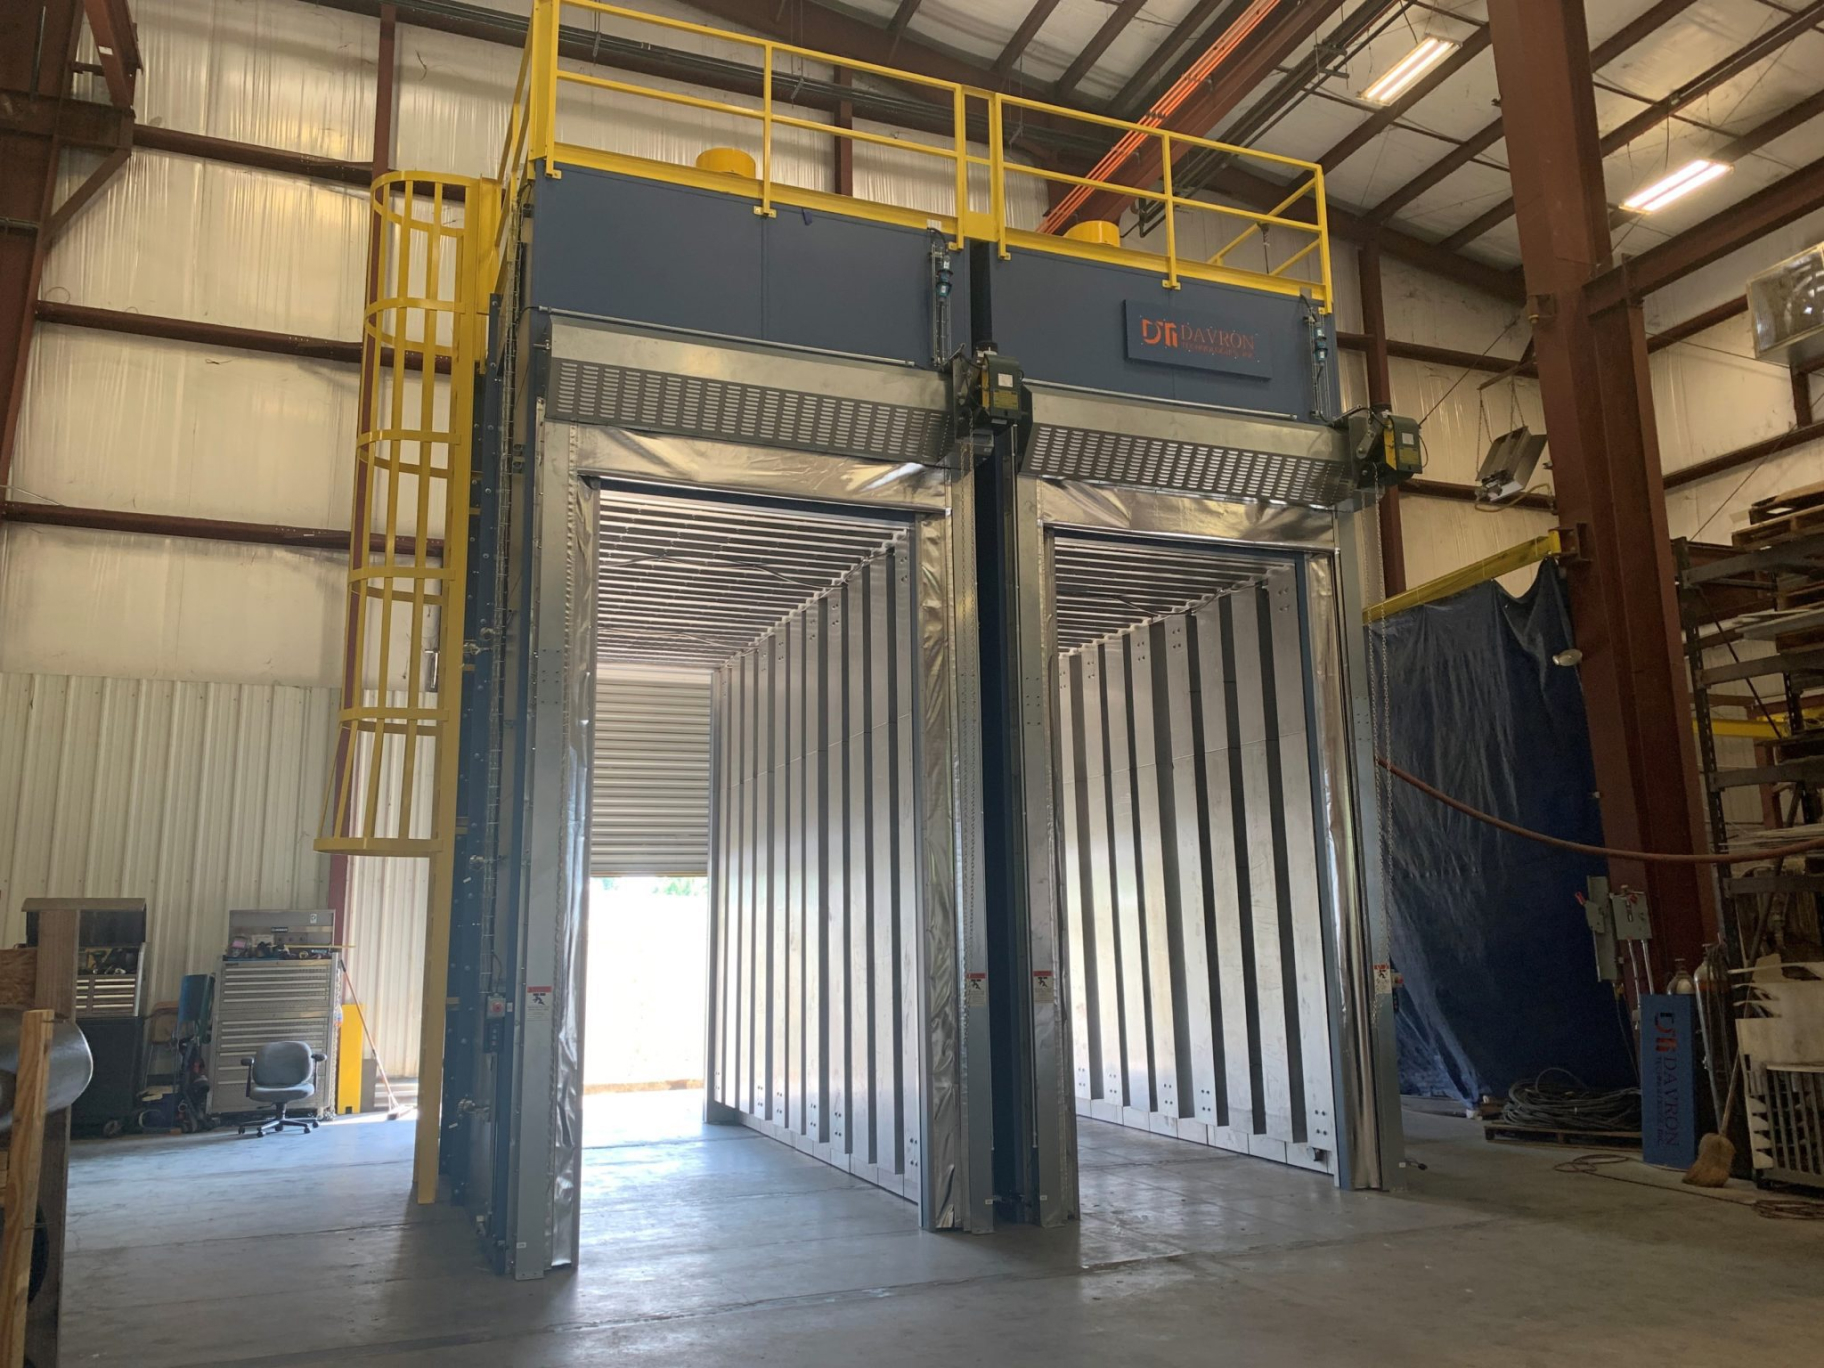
(884, 1022)
(908, 1056)
(1073, 891)
(1199, 1059)
(778, 979)
(836, 827)
(1105, 439)
(1254, 737)
(1123, 836)
(1093, 781)
(1156, 949)
(1304, 905)
(816, 924)
(861, 912)
(1226, 913)
(715, 1045)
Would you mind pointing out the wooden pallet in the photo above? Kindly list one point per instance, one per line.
(1506, 1133)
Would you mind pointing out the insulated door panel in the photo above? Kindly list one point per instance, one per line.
(1097, 857)
(1149, 850)
(1130, 965)
(1079, 967)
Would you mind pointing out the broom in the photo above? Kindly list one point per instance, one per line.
(1716, 1151)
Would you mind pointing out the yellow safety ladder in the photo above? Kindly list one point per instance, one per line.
(392, 788)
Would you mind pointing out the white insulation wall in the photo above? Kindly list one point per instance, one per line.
(138, 671)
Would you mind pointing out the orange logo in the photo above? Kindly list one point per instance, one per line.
(1158, 332)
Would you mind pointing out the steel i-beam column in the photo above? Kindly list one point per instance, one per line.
(1605, 459)
(1380, 391)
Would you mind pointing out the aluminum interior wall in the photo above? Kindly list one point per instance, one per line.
(649, 808)
(1190, 878)
(815, 891)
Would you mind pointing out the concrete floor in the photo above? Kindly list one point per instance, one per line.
(719, 1247)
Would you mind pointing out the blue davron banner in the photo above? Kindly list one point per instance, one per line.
(1499, 974)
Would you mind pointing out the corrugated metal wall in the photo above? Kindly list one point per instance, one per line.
(816, 1012)
(1193, 915)
(198, 798)
(649, 810)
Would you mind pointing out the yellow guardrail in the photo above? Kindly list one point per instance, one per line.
(536, 143)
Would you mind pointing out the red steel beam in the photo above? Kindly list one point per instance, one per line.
(1598, 401)
(1746, 57)
(1023, 36)
(248, 154)
(202, 529)
(1641, 27)
(117, 45)
(37, 46)
(1380, 393)
(1806, 431)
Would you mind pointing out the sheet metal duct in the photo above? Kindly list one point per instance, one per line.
(1104, 439)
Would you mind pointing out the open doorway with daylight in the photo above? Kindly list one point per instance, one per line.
(752, 946)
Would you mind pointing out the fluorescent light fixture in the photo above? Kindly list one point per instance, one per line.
(1405, 73)
(1676, 186)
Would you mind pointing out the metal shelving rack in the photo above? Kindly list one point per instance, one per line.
(1753, 628)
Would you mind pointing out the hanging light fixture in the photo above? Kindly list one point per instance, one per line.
(1691, 176)
(1405, 73)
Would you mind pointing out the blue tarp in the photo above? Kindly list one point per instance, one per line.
(1487, 933)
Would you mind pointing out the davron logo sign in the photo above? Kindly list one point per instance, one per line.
(1173, 337)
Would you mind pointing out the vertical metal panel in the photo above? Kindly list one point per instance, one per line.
(791, 1086)
(1253, 736)
(1299, 841)
(1225, 872)
(778, 982)
(1073, 904)
(884, 1023)
(1129, 952)
(908, 1057)
(1156, 950)
(1181, 809)
(816, 882)
(1093, 802)
(836, 876)
(861, 921)
(720, 845)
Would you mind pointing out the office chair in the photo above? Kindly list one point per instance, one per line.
(283, 1072)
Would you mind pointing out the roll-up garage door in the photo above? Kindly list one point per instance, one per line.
(651, 798)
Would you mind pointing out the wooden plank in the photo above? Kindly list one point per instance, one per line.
(25, 1153)
(18, 977)
(55, 990)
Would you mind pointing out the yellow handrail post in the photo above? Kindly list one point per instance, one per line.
(541, 142)
(997, 175)
(1323, 239)
(960, 105)
(1171, 219)
(765, 208)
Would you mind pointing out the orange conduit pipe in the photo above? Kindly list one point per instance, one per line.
(1163, 108)
(1645, 856)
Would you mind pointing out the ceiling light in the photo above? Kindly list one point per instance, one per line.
(1676, 186)
(1406, 72)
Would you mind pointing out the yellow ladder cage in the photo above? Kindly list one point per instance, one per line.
(392, 786)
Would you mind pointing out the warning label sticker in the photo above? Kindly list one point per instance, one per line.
(975, 990)
(1044, 987)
